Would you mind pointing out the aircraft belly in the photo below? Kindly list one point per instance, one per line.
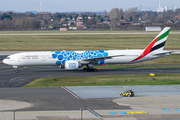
(34, 63)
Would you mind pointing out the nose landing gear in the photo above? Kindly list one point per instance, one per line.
(16, 67)
(16, 70)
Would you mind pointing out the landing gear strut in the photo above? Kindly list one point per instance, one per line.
(90, 69)
(16, 67)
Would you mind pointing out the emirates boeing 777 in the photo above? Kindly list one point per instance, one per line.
(71, 60)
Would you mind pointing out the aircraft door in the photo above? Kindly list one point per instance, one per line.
(35, 59)
(43, 59)
(18, 58)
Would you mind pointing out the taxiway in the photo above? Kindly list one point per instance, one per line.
(27, 74)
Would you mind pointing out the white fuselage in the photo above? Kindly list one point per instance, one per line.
(46, 57)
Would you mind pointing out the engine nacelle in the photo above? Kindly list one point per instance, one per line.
(72, 65)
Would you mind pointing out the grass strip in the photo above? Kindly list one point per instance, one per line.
(120, 66)
(81, 42)
(140, 79)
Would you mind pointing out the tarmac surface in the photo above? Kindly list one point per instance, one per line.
(156, 102)
(27, 74)
(64, 103)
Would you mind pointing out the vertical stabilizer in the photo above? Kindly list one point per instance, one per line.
(157, 44)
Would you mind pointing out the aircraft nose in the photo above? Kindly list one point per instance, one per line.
(4, 61)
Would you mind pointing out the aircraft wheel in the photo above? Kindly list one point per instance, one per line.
(17, 71)
(88, 70)
(95, 70)
(85, 69)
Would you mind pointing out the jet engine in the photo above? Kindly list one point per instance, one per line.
(72, 65)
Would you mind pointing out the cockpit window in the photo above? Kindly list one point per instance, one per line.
(8, 58)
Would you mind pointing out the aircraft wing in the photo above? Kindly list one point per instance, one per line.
(94, 60)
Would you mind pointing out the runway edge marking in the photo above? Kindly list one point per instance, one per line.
(127, 118)
(71, 92)
(93, 112)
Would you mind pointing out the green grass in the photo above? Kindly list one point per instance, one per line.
(82, 42)
(144, 79)
(119, 66)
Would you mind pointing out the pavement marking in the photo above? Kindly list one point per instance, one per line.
(71, 92)
(12, 70)
(93, 112)
(151, 100)
(134, 112)
(147, 99)
(177, 109)
(137, 112)
(35, 68)
(127, 118)
(166, 109)
(5, 67)
(113, 113)
(6, 70)
(123, 112)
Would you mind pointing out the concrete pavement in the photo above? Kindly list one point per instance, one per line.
(144, 106)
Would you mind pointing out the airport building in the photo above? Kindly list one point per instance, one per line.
(153, 28)
(80, 23)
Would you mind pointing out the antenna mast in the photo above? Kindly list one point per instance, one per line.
(40, 6)
(159, 5)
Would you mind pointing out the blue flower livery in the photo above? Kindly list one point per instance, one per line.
(63, 56)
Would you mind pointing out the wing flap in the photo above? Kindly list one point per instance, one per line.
(95, 60)
(100, 58)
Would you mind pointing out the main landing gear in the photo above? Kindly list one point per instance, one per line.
(90, 69)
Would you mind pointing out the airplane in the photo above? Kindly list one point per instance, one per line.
(71, 60)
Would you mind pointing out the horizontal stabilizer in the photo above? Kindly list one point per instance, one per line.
(162, 53)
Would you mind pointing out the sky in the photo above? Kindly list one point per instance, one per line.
(83, 5)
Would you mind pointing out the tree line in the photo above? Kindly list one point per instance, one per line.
(116, 18)
(149, 17)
